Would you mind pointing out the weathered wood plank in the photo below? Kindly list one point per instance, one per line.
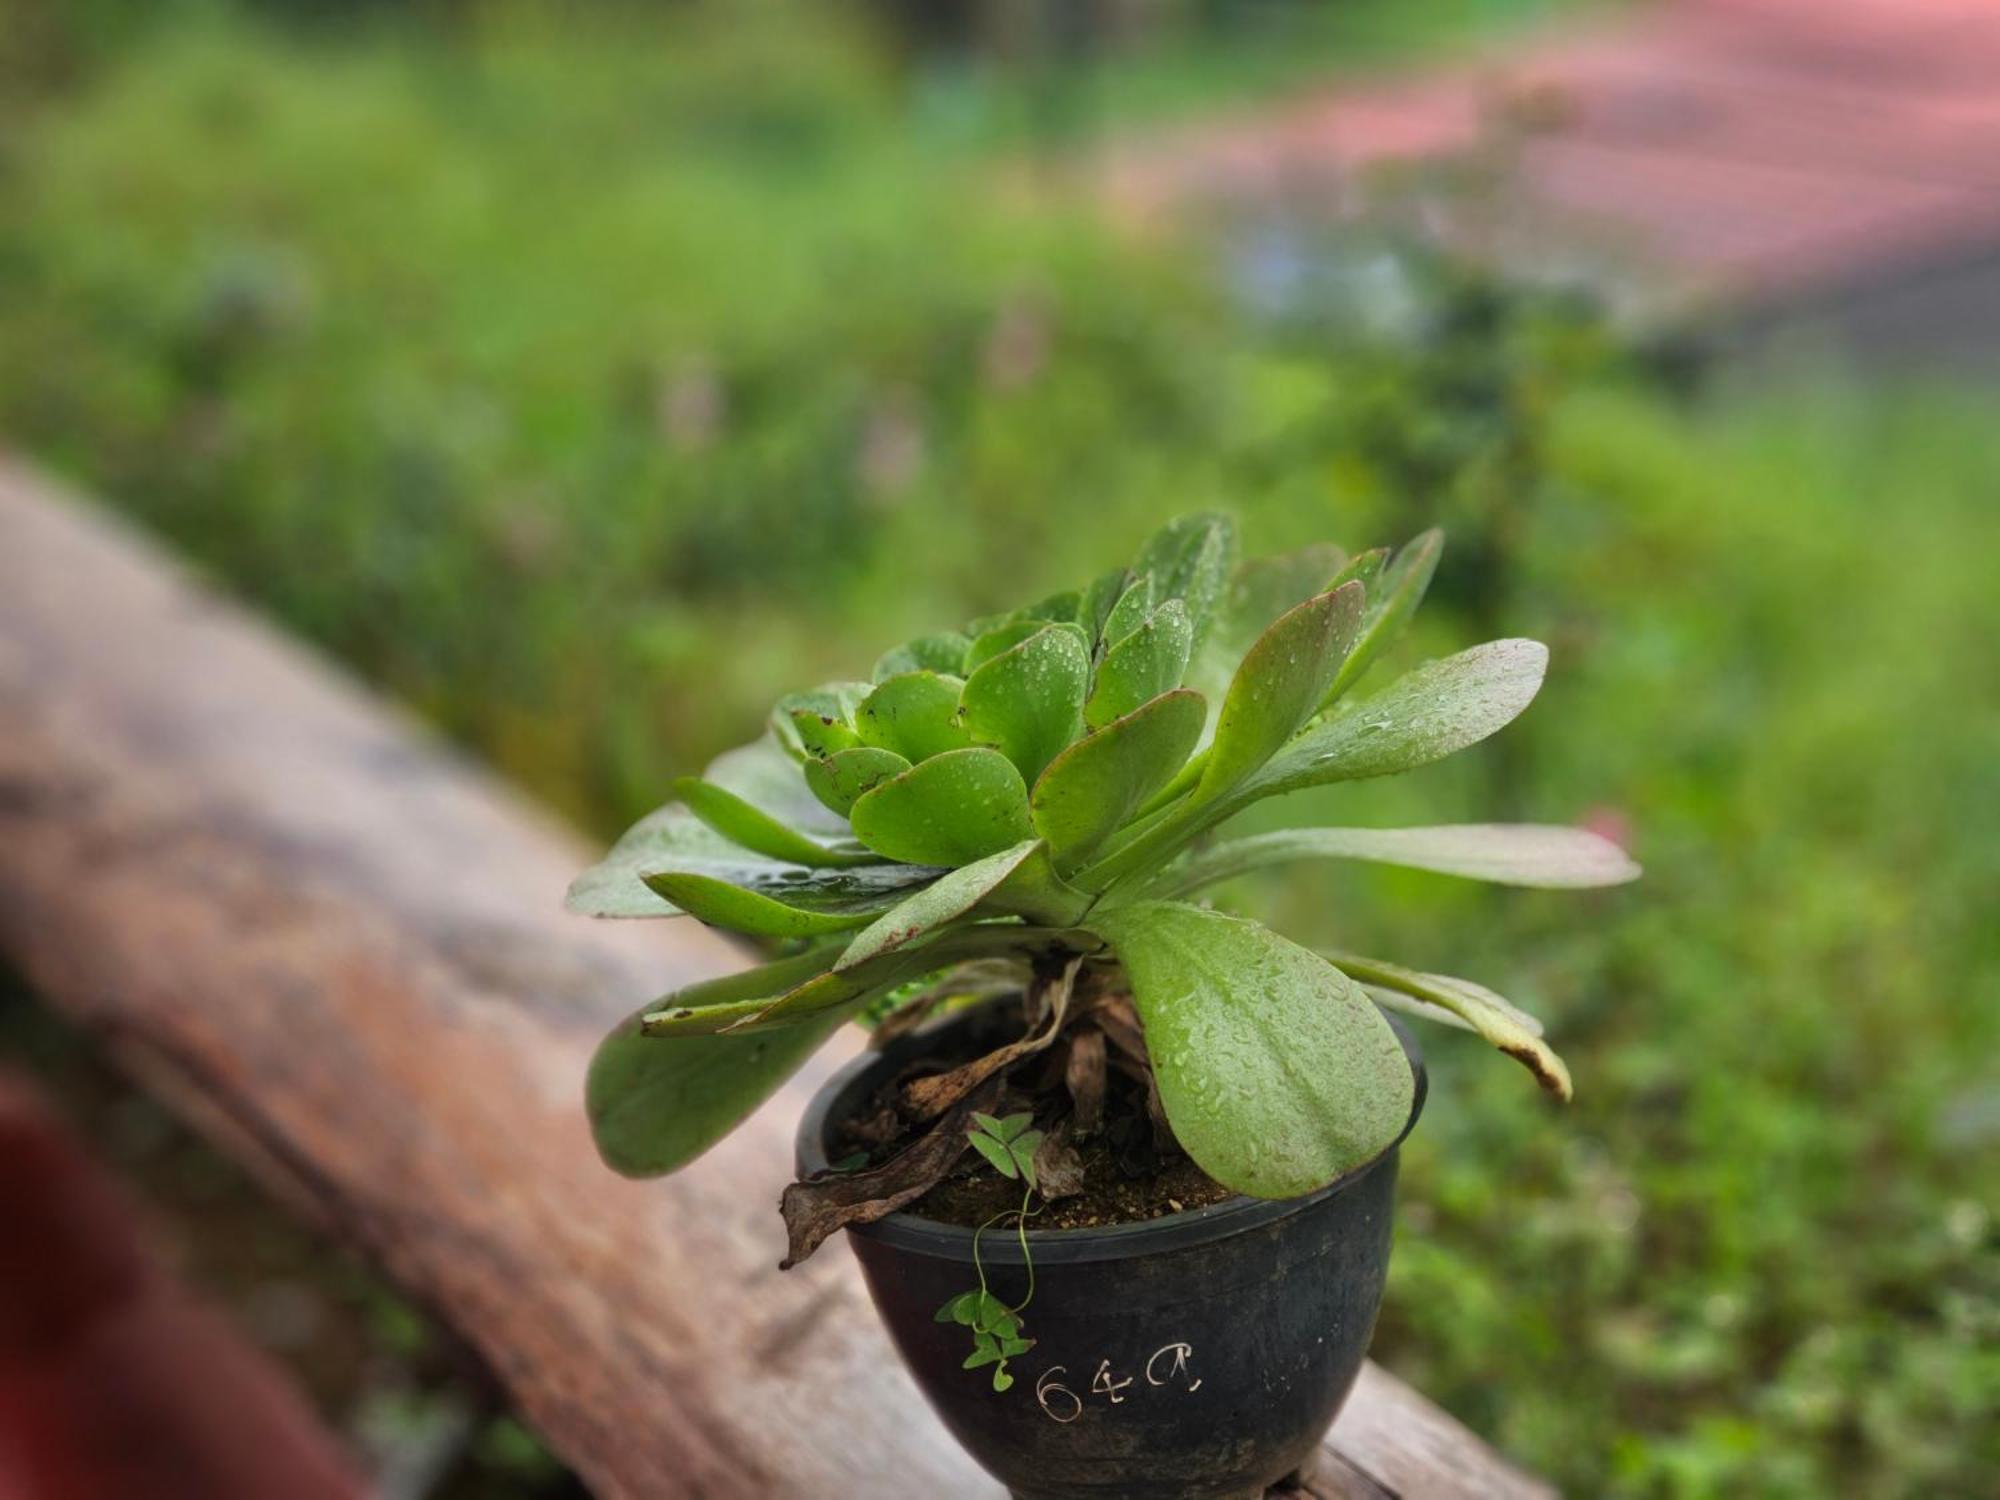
(341, 948)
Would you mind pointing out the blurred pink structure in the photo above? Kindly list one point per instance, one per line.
(1759, 149)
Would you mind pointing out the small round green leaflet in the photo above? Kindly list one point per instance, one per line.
(1027, 702)
(949, 810)
(843, 776)
(914, 714)
(1275, 1070)
(1092, 788)
(1146, 663)
(721, 904)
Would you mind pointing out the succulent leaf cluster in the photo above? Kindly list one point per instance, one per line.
(1048, 785)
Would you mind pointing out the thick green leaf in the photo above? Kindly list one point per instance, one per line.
(656, 1104)
(949, 810)
(946, 899)
(843, 776)
(1260, 589)
(1422, 716)
(1529, 854)
(672, 838)
(830, 703)
(1036, 892)
(1092, 788)
(746, 990)
(1000, 638)
(773, 995)
(1389, 607)
(1276, 1072)
(1131, 609)
(1498, 1020)
(942, 652)
(1148, 662)
(914, 714)
(1027, 702)
(1365, 568)
(738, 909)
(1279, 686)
(669, 835)
(821, 734)
(1062, 607)
(1093, 611)
(765, 775)
(757, 831)
(1191, 559)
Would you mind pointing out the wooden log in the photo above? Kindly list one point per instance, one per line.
(341, 948)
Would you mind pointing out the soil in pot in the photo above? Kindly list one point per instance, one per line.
(1112, 1161)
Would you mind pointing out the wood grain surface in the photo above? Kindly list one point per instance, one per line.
(340, 949)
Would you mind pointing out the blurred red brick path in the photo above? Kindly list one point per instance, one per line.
(116, 1383)
(1751, 147)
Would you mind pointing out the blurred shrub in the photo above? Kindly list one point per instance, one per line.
(531, 372)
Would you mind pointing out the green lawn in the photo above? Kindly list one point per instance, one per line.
(540, 377)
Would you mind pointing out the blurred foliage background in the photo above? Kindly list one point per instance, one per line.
(588, 376)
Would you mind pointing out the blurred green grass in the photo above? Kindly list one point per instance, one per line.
(586, 389)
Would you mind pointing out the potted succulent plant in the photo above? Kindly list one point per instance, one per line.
(1118, 1169)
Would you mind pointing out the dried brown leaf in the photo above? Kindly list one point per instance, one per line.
(1084, 1077)
(817, 1206)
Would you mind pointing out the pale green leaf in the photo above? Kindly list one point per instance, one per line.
(1275, 1071)
(845, 775)
(820, 734)
(1094, 609)
(1260, 589)
(1130, 612)
(1093, 787)
(721, 904)
(1279, 685)
(1001, 638)
(656, 1104)
(948, 898)
(1191, 559)
(914, 714)
(949, 810)
(756, 830)
(1527, 854)
(1422, 716)
(942, 652)
(672, 838)
(1390, 606)
(1498, 1020)
(1027, 702)
(830, 703)
(1146, 663)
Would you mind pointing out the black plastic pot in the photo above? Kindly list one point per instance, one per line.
(1200, 1356)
